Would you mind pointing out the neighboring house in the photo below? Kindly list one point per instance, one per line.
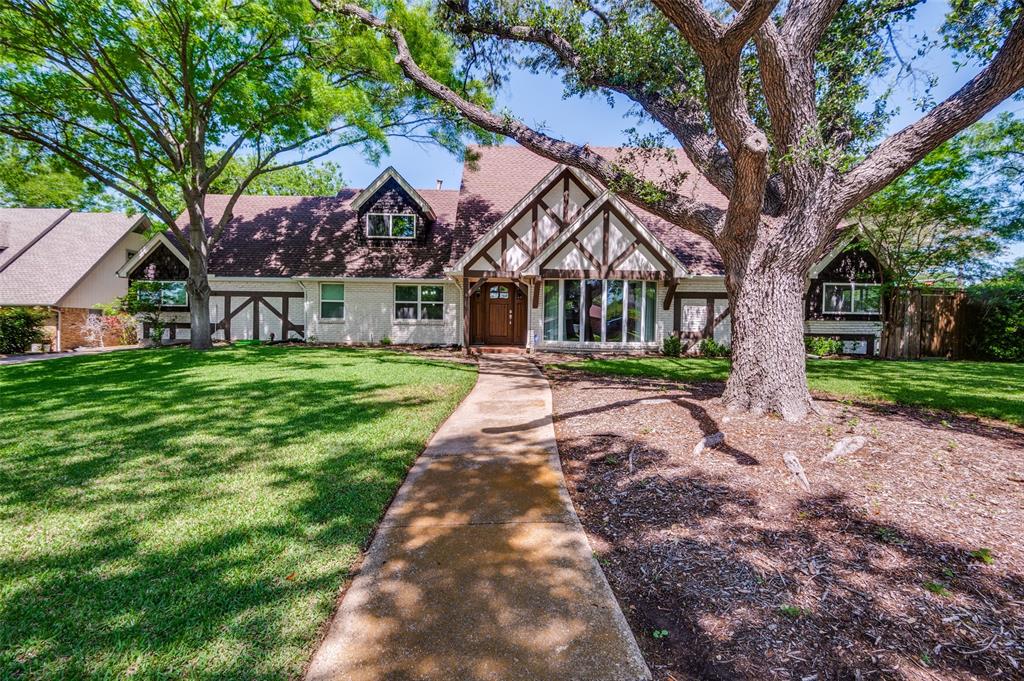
(525, 253)
(66, 262)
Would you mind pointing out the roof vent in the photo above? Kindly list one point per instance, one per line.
(439, 183)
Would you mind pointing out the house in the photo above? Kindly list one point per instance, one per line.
(66, 262)
(525, 253)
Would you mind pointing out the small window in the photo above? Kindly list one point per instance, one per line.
(419, 302)
(851, 298)
(390, 226)
(499, 293)
(164, 293)
(332, 301)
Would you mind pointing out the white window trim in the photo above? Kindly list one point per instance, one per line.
(419, 303)
(852, 285)
(391, 230)
(627, 285)
(344, 308)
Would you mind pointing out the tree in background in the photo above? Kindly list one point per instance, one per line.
(313, 179)
(155, 98)
(946, 218)
(784, 127)
(999, 329)
(32, 178)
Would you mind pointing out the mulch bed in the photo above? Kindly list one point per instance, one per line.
(728, 569)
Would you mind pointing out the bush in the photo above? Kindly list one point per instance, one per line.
(998, 332)
(672, 346)
(20, 327)
(385, 341)
(823, 346)
(709, 347)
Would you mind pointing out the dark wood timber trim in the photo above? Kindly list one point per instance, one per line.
(631, 275)
(605, 229)
(643, 240)
(537, 286)
(565, 198)
(492, 274)
(624, 256)
(669, 293)
(259, 294)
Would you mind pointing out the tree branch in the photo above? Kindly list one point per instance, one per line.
(696, 216)
(1001, 78)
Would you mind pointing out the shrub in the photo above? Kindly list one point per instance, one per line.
(385, 341)
(822, 346)
(709, 347)
(20, 327)
(672, 346)
(999, 330)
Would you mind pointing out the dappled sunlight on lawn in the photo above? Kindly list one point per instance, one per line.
(171, 513)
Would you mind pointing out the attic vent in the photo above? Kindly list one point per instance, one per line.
(439, 184)
(5, 230)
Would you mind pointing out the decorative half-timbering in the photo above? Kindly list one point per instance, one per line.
(391, 210)
(605, 242)
(531, 226)
(161, 264)
(846, 288)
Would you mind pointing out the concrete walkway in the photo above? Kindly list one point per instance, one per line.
(42, 357)
(480, 569)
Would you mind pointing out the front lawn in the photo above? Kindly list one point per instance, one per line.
(991, 389)
(171, 514)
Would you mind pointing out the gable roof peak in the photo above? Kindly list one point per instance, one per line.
(390, 173)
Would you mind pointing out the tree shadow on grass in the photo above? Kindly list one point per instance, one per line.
(193, 514)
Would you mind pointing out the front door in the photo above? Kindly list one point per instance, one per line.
(500, 302)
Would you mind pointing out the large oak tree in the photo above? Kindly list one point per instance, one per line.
(769, 100)
(155, 98)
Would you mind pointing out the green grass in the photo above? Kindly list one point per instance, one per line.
(171, 514)
(991, 389)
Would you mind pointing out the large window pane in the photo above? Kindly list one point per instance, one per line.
(432, 311)
(403, 226)
(613, 312)
(431, 294)
(174, 294)
(332, 292)
(406, 293)
(377, 225)
(838, 298)
(867, 299)
(571, 311)
(634, 301)
(551, 310)
(593, 289)
(329, 310)
(650, 310)
(405, 310)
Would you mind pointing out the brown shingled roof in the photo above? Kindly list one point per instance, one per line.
(304, 236)
(504, 174)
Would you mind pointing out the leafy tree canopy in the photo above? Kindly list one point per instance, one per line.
(313, 179)
(32, 178)
(955, 210)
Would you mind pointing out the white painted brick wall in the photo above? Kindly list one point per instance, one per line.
(370, 316)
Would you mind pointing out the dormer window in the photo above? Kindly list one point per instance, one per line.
(391, 225)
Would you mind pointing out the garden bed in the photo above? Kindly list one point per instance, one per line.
(726, 568)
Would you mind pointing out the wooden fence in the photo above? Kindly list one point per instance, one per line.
(926, 324)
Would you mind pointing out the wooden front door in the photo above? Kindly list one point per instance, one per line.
(499, 300)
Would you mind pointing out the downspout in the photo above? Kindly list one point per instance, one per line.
(59, 341)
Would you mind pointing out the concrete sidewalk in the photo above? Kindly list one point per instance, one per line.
(480, 569)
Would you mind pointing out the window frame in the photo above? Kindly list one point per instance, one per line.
(344, 305)
(627, 286)
(419, 303)
(391, 225)
(163, 284)
(852, 287)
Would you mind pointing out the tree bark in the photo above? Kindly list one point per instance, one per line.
(767, 314)
(198, 287)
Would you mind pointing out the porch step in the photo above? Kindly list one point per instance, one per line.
(497, 349)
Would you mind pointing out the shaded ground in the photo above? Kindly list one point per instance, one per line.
(727, 569)
(173, 514)
(992, 389)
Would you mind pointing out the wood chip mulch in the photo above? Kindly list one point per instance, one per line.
(905, 560)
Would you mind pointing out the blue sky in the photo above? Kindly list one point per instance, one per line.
(539, 101)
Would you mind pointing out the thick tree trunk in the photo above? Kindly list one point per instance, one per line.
(198, 287)
(768, 372)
